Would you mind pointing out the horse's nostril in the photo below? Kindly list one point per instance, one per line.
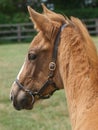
(24, 101)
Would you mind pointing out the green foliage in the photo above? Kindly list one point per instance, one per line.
(20, 18)
(68, 4)
(7, 6)
(81, 13)
(4, 18)
(12, 11)
(15, 18)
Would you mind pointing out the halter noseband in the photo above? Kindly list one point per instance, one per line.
(52, 67)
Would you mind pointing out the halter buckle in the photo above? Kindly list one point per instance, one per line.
(52, 66)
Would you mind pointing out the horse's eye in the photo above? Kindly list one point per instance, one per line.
(32, 56)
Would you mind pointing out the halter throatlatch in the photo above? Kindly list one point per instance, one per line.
(52, 68)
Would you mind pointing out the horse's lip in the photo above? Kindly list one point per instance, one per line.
(29, 107)
(19, 107)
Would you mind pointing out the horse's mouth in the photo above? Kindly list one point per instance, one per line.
(23, 103)
(21, 107)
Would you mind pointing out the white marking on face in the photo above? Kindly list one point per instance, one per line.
(20, 71)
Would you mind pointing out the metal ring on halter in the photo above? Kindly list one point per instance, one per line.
(52, 66)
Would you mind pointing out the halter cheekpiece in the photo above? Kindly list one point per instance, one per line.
(52, 67)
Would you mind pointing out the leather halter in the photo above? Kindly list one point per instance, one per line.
(52, 67)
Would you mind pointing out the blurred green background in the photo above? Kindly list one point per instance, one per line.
(12, 11)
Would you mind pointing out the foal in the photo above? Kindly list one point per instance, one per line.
(74, 68)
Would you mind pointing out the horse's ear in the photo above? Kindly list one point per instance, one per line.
(41, 22)
(46, 10)
(53, 16)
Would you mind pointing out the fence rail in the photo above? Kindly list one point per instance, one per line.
(24, 31)
(16, 31)
(92, 26)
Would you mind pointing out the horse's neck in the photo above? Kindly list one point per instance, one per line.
(76, 76)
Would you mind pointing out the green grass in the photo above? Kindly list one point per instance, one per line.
(51, 114)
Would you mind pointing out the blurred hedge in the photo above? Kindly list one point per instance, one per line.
(16, 18)
(22, 17)
(82, 13)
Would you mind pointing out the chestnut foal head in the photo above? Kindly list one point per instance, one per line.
(39, 76)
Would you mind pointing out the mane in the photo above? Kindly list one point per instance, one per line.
(88, 42)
